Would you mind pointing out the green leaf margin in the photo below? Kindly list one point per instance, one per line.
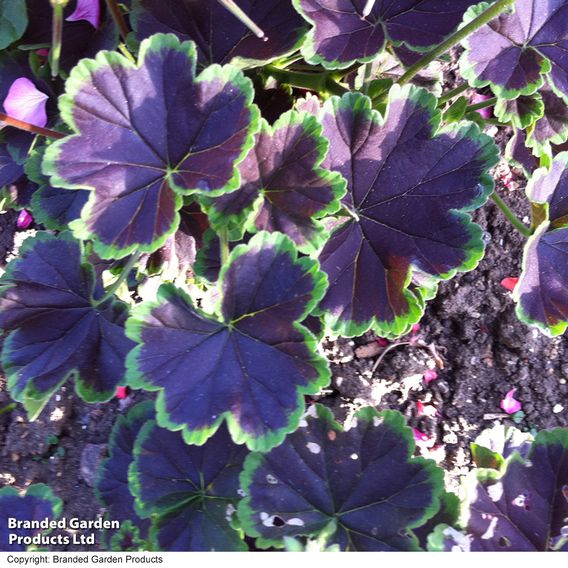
(82, 73)
(391, 418)
(135, 327)
(475, 248)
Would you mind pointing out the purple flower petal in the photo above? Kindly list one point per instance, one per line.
(486, 112)
(26, 103)
(509, 404)
(88, 10)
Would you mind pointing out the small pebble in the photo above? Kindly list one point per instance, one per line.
(557, 408)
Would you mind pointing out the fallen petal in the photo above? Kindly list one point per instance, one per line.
(429, 376)
(88, 10)
(420, 436)
(510, 404)
(509, 283)
(26, 103)
(423, 440)
(24, 220)
(121, 392)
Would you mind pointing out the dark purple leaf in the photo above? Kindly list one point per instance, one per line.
(281, 179)
(519, 154)
(111, 486)
(208, 260)
(219, 36)
(448, 513)
(362, 484)
(525, 508)
(410, 185)
(146, 135)
(541, 292)
(248, 364)
(551, 187)
(53, 207)
(521, 112)
(37, 504)
(342, 36)
(10, 170)
(190, 491)
(54, 326)
(514, 52)
(552, 125)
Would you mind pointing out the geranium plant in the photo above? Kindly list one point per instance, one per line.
(193, 245)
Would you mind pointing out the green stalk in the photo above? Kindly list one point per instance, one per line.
(490, 14)
(319, 82)
(56, 35)
(484, 104)
(452, 94)
(513, 219)
(495, 121)
(224, 245)
(368, 74)
(123, 276)
(118, 18)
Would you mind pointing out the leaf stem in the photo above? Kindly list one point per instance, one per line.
(224, 245)
(483, 104)
(239, 14)
(56, 35)
(452, 94)
(368, 75)
(495, 122)
(513, 219)
(118, 18)
(485, 17)
(123, 276)
(26, 126)
(319, 82)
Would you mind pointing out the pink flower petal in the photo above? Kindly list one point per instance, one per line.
(26, 103)
(24, 220)
(509, 404)
(429, 376)
(416, 328)
(89, 10)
